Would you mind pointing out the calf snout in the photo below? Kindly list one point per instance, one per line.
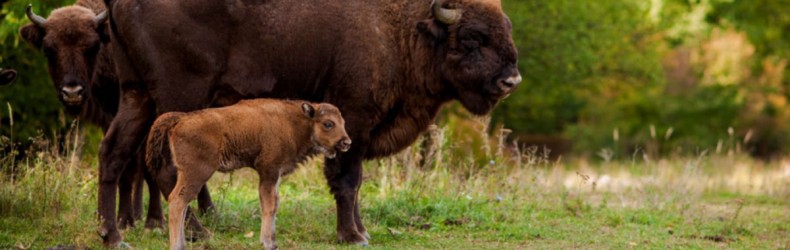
(343, 145)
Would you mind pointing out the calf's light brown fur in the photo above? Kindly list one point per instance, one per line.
(271, 136)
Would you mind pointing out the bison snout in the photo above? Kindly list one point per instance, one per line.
(509, 84)
(72, 94)
(344, 145)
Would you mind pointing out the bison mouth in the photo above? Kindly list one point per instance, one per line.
(71, 100)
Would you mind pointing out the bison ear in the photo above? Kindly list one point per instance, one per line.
(7, 76)
(103, 30)
(32, 34)
(430, 29)
(308, 110)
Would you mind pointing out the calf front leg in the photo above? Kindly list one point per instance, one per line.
(119, 145)
(269, 198)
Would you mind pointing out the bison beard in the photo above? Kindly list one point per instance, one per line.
(388, 65)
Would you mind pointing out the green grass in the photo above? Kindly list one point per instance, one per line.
(453, 203)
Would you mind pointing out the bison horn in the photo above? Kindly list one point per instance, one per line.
(36, 19)
(447, 16)
(101, 17)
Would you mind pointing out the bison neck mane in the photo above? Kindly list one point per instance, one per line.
(97, 6)
(416, 95)
(103, 92)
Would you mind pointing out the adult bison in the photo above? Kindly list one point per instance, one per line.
(7, 76)
(75, 41)
(388, 65)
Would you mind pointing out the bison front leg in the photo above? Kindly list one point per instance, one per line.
(344, 175)
(127, 205)
(137, 192)
(119, 146)
(205, 205)
(154, 218)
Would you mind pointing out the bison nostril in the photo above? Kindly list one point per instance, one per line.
(510, 82)
(69, 90)
(507, 84)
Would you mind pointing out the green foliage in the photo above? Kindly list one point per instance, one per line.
(595, 67)
(49, 200)
(568, 48)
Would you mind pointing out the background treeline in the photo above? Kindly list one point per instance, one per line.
(609, 77)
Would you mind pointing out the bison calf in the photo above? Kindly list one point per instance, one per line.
(268, 135)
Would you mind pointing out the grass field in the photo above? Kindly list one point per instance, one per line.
(486, 198)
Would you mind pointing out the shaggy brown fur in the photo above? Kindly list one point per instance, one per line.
(7, 76)
(83, 72)
(388, 65)
(271, 136)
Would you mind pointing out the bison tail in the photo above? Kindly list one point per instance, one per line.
(157, 154)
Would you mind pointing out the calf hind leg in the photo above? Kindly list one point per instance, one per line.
(186, 189)
(166, 181)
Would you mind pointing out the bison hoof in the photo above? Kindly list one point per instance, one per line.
(125, 223)
(154, 224)
(355, 239)
(111, 238)
(125, 245)
(197, 234)
(367, 235)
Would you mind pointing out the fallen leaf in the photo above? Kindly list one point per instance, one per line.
(249, 234)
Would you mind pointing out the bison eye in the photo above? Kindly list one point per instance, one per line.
(92, 51)
(49, 52)
(329, 125)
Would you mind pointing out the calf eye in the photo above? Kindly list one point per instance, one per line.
(329, 125)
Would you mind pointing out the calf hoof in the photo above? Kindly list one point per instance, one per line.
(111, 238)
(270, 245)
(353, 238)
(151, 223)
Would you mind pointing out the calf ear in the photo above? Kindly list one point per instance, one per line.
(7, 76)
(308, 110)
(32, 34)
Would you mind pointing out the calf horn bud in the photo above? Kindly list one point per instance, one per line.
(101, 17)
(36, 19)
(444, 15)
